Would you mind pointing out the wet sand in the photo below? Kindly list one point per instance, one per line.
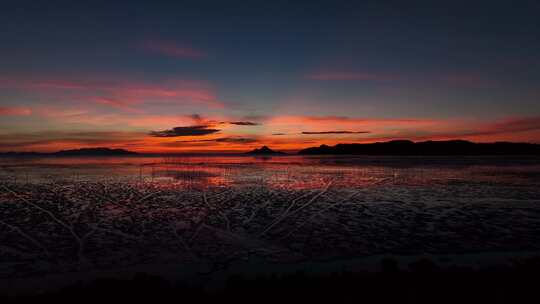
(263, 217)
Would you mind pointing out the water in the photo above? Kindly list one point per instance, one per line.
(301, 172)
(71, 214)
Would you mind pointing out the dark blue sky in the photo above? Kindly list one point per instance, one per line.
(433, 60)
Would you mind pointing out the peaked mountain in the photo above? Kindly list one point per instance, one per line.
(264, 150)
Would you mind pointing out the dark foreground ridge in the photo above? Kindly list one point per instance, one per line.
(77, 152)
(264, 150)
(407, 147)
(422, 282)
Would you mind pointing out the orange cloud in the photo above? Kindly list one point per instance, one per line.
(299, 124)
(123, 95)
(15, 111)
(122, 104)
(50, 141)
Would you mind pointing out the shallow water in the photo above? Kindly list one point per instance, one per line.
(61, 215)
(301, 172)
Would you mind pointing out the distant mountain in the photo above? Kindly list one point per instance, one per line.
(20, 154)
(95, 152)
(264, 150)
(407, 147)
(75, 152)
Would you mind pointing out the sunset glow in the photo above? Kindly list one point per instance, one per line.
(118, 92)
(274, 151)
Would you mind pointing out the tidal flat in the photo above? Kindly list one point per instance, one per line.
(203, 217)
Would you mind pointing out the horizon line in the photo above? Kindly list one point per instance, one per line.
(240, 152)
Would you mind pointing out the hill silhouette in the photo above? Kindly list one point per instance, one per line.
(76, 152)
(264, 150)
(95, 152)
(407, 147)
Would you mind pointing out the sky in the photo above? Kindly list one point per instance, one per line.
(229, 76)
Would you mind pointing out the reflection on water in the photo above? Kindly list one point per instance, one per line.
(296, 172)
(204, 210)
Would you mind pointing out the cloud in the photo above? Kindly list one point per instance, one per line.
(201, 120)
(256, 117)
(15, 111)
(197, 118)
(509, 129)
(331, 119)
(76, 135)
(182, 144)
(185, 131)
(172, 49)
(208, 142)
(517, 124)
(242, 123)
(298, 124)
(242, 140)
(173, 92)
(500, 127)
(58, 140)
(336, 132)
(123, 94)
(278, 134)
(124, 105)
(115, 121)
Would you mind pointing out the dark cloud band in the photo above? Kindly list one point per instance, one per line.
(237, 140)
(185, 131)
(241, 123)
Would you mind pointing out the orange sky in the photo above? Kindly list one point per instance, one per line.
(154, 133)
(170, 76)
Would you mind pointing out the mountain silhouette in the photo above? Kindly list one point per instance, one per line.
(95, 152)
(76, 152)
(407, 147)
(264, 150)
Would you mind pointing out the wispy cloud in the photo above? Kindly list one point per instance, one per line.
(500, 127)
(57, 140)
(121, 94)
(509, 129)
(15, 111)
(257, 118)
(329, 121)
(172, 49)
(123, 104)
(519, 124)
